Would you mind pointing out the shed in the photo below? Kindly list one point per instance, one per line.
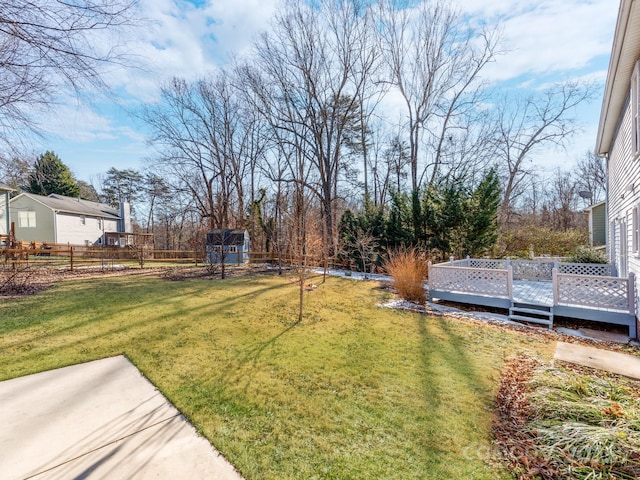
(597, 218)
(228, 245)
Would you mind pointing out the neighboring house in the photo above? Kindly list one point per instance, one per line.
(619, 141)
(232, 245)
(60, 219)
(5, 219)
(597, 219)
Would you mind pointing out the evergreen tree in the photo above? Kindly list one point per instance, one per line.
(122, 186)
(50, 175)
(482, 215)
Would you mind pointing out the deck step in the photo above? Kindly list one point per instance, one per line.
(531, 320)
(531, 313)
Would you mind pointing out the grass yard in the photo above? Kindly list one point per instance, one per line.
(355, 391)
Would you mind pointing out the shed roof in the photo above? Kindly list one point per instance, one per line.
(226, 236)
(624, 54)
(6, 188)
(77, 206)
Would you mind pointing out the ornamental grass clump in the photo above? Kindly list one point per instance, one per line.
(408, 268)
(573, 425)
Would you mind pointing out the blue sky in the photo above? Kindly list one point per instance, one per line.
(545, 41)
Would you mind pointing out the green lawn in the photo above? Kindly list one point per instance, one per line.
(355, 391)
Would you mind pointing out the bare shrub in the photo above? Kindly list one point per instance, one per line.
(16, 279)
(409, 270)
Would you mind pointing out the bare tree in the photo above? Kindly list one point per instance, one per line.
(592, 176)
(202, 138)
(528, 126)
(15, 170)
(434, 62)
(54, 48)
(563, 201)
(309, 77)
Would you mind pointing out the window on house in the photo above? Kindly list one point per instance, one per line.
(635, 109)
(27, 219)
(232, 249)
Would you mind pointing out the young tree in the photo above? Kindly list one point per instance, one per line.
(50, 175)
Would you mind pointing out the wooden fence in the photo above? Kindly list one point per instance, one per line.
(72, 257)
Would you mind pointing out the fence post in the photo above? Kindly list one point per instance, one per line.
(71, 257)
(631, 293)
(510, 282)
(429, 274)
(468, 261)
(451, 259)
(556, 286)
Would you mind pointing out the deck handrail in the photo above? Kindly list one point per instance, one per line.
(482, 281)
(594, 291)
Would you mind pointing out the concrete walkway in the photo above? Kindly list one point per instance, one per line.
(99, 420)
(614, 362)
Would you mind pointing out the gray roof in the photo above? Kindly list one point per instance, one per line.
(76, 206)
(226, 236)
(6, 188)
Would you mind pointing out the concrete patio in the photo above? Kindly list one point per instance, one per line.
(99, 420)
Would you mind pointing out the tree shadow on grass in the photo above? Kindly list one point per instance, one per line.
(456, 396)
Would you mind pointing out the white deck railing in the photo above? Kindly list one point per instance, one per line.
(535, 270)
(478, 281)
(594, 291)
(574, 284)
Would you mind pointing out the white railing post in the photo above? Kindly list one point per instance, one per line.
(429, 264)
(556, 286)
(510, 282)
(468, 261)
(451, 259)
(631, 293)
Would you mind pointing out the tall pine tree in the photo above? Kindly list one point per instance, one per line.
(50, 175)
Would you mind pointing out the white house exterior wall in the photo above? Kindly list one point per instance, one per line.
(71, 229)
(623, 196)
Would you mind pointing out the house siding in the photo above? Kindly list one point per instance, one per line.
(71, 229)
(624, 194)
(44, 231)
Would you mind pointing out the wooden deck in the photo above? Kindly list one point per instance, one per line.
(537, 291)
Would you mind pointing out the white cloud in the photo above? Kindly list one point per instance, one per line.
(545, 40)
(548, 36)
(185, 40)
